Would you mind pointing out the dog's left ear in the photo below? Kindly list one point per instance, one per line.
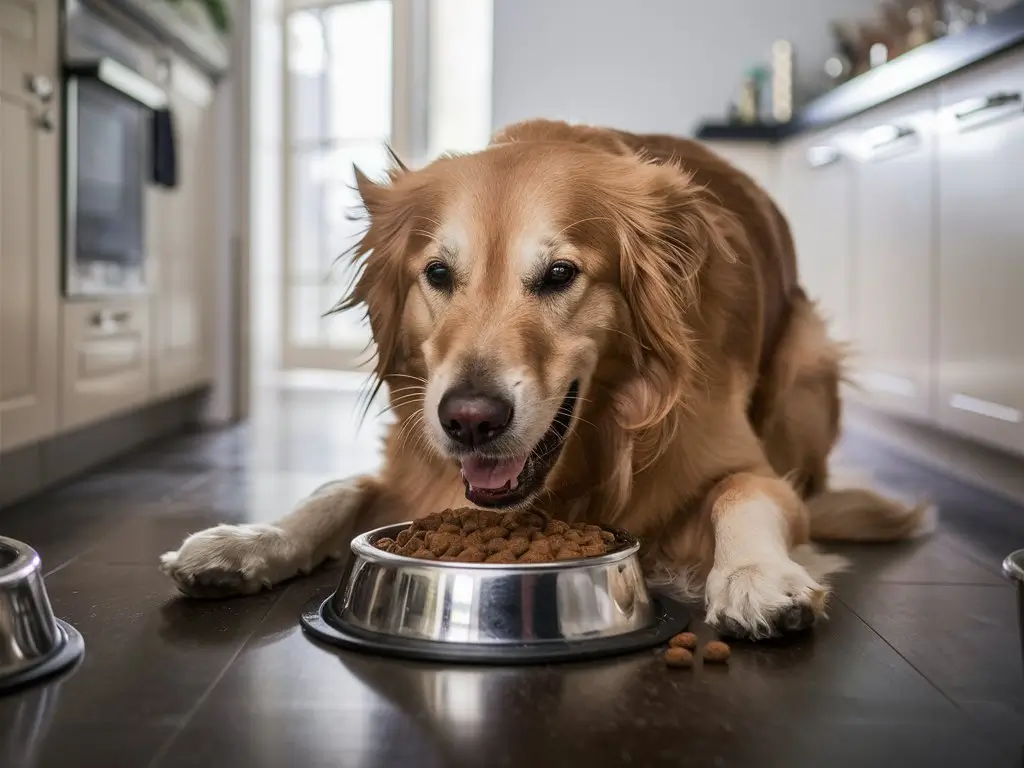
(382, 282)
(669, 230)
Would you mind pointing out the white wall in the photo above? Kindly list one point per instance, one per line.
(648, 65)
(459, 88)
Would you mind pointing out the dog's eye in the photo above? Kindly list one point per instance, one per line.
(438, 275)
(559, 276)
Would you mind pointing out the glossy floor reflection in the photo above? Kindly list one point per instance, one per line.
(919, 664)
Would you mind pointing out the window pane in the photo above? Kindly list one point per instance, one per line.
(340, 72)
(323, 198)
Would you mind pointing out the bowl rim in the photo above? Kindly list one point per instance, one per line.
(1013, 566)
(363, 547)
(26, 561)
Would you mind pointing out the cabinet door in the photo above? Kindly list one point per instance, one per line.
(106, 365)
(184, 234)
(981, 254)
(816, 194)
(29, 222)
(893, 299)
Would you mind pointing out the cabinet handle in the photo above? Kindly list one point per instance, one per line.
(109, 320)
(47, 122)
(881, 136)
(969, 108)
(822, 155)
(39, 86)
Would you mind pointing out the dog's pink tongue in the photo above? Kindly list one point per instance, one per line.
(492, 474)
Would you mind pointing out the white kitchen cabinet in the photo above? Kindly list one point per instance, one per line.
(815, 192)
(29, 221)
(893, 303)
(181, 228)
(980, 388)
(106, 363)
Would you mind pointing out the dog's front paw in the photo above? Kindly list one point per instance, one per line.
(761, 600)
(232, 560)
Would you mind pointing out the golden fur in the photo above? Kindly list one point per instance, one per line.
(709, 387)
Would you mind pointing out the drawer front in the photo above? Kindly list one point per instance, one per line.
(107, 368)
(892, 288)
(981, 267)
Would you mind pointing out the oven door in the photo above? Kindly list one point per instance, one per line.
(107, 163)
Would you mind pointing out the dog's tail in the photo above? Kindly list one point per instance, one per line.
(852, 512)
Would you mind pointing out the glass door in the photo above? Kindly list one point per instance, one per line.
(337, 112)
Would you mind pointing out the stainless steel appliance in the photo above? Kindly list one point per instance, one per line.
(113, 75)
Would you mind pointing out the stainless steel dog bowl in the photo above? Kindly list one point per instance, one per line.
(33, 643)
(1013, 569)
(488, 613)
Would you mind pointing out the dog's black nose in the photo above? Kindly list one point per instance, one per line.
(472, 418)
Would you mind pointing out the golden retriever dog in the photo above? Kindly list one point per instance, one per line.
(605, 327)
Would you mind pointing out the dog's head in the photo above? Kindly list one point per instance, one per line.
(516, 293)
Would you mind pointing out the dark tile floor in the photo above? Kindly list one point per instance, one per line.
(918, 665)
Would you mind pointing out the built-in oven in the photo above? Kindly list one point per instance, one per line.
(110, 104)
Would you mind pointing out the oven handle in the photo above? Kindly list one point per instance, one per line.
(122, 79)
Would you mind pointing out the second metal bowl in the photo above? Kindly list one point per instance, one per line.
(33, 643)
(1013, 569)
(480, 612)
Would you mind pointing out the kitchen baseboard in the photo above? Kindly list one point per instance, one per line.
(26, 471)
(987, 468)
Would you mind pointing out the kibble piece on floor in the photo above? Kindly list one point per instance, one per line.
(679, 658)
(717, 652)
(686, 640)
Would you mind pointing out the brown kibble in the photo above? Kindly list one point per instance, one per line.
(471, 555)
(438, 543)
(686, 640)
(542, 547)
(454, 549)
(678, 658)
(501, 557)
(533, 556)
(716, 652)
(518, 546)
(466, 534)
(496, 545)
(494, 532)
(428, 523)
(488, 518)
(556, 527)
(608, 537)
